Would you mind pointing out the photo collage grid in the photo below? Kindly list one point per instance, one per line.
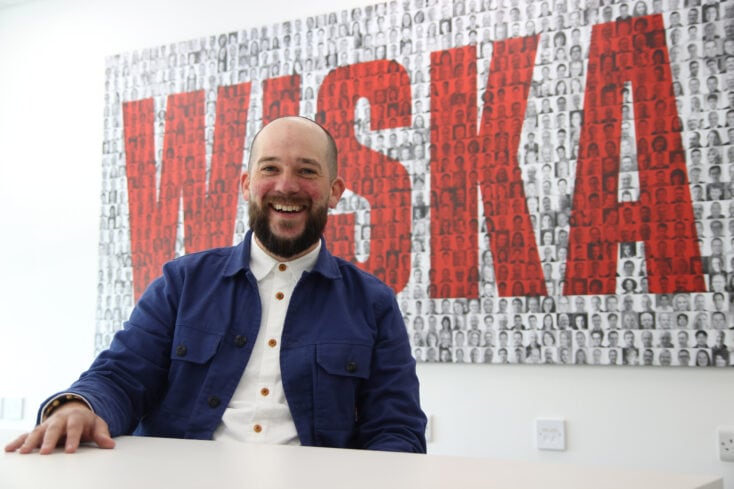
(630, 327)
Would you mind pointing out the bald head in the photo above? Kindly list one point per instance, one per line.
(290, 125)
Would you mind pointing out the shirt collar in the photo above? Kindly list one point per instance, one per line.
(239, 260)
(261, 263)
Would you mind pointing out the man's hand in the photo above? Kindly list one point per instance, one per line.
(72, 423)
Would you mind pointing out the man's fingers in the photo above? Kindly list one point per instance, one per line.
(16, 444)
(101, 434)
(73, 424)
(53, 432)
(32, 441)
(74, 430)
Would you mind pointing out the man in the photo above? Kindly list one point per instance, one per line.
(613, 339)
(647, 320)
(718, 320)
(648, 356)
(274, 340)
(702, 338)
(719, 346)
(597, 337)
(665, 358)
(666, 340)
(611, 302)
(613, 355)
(646, 337)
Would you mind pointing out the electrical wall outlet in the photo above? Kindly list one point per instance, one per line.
(725, 443)
(550, 434)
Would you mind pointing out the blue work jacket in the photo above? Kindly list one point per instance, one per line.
(347, 369)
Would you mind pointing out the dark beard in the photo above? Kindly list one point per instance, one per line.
(286, 247)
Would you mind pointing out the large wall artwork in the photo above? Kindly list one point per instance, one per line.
(545, 182)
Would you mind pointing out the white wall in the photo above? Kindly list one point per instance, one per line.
(51, 98)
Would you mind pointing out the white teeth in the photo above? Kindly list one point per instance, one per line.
(286, 208)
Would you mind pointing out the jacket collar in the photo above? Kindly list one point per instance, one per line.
(239, 260)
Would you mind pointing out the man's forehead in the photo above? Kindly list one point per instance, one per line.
(291, 130)
(290, 126)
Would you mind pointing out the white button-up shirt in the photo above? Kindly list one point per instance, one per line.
(258, 411)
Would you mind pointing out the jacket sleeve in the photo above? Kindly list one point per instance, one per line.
(127, 379)
(389, 416)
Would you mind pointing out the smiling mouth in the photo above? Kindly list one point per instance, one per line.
(287, 208)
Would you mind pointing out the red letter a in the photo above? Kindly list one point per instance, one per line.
(605, 215)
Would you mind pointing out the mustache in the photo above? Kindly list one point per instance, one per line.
(287, 200)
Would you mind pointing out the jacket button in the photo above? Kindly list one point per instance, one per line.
(181, 350)
(214, 401)
(351, 367)
(240, 341)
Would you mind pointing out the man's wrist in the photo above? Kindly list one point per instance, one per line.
(59, 401)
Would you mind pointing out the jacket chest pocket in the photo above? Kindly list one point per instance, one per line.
(340, 370)
(192, 351)
(193, 345)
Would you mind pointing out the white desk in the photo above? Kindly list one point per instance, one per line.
(183, 464)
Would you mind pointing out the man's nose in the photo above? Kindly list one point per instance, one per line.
(287, 183)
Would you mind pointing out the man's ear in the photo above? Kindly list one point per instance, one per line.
(245, 185)
(337, 189)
